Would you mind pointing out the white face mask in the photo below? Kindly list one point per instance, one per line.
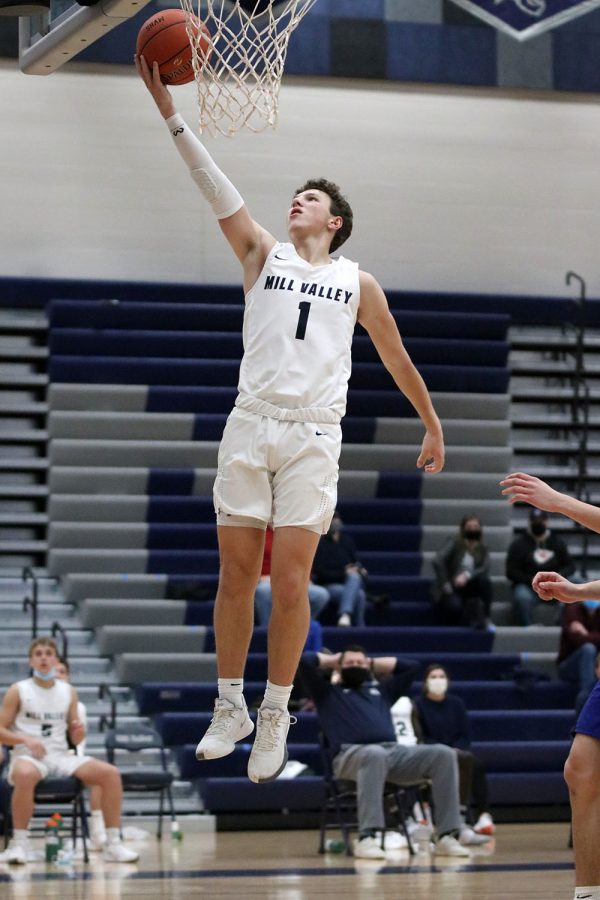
(438, 685)
(45, 676)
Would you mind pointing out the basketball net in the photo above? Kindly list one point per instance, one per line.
(238, 84)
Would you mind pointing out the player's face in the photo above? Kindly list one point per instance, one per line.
(61, 672)
(43, 659)
(310, 212)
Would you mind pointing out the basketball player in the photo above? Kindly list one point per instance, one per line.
(278, 459)
(35, 717)
(582, 769)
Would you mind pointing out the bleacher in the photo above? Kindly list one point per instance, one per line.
(139, 392)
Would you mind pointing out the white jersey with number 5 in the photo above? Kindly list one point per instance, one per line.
(298, 326)
(43, 714)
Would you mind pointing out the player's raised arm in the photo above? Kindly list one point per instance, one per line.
(375, 316)
(524, 488)
(250, 242)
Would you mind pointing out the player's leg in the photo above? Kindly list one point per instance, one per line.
(97, 823)
(291, 562)
(98, 774)
(24, 775)
(582, 774)
(240, 553)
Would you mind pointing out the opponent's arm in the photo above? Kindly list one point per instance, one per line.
(524, 488)
(250, 242)
(552, 586)
(375, 316)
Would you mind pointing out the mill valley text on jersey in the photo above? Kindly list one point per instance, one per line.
(311, 289)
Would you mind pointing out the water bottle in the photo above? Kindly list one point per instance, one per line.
(335, 845)
(51, 841)
(423, 837)
(176, 834)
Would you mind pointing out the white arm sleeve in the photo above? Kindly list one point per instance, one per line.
(222, 195)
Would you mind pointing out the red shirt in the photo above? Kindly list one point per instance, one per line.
(570, 641)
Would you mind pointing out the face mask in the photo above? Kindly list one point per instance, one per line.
(45, 676)
(591, 604)
(354, 676)
(472, 535)
(538, 528)
(438, 685)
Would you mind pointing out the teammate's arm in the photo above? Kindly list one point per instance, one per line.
(250, 242)
(75, 726)
(8, 714)
(375, 316)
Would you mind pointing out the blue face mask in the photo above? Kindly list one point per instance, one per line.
(45, 676)
(591, 604)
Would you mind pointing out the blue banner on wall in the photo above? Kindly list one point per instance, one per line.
(523, 19)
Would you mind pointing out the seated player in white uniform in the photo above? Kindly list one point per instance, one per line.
(36, 716)
(96, 822)
(278, 459)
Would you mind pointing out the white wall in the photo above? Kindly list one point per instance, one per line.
(452, 190)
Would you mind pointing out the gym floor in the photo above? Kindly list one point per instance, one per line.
(530, 860)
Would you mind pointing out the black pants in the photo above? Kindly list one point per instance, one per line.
(472, 783)
(468, 605)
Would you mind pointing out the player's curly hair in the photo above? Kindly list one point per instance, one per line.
(339, 207)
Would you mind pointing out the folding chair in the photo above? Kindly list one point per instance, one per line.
(136, 738)
(339, 808)
(52, 792)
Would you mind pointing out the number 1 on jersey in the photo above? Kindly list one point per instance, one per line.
(304, 308)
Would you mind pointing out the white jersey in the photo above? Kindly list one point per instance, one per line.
(298, 327)
(402, 719)
(43, 714)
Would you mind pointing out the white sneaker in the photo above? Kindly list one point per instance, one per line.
(484, 824)
(393, 840)
(16, 853)
(118, 852)
(269, 752)
(368, 848)
(449, 846)
(229, 724)
(468, 837)
(344, 620)
(96, 842)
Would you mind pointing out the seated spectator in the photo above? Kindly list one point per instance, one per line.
(443, 719)
(38, 718)
(463, 588)
(318, 597)
(356, 719)
(336, 567)
(579, 646)
(536, 550)
(97, 826)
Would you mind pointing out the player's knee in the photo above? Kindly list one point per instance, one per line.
(289, 593)
(25, 777)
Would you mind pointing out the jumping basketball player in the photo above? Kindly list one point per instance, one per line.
(278, 459)
(36, 717)
(582, 769)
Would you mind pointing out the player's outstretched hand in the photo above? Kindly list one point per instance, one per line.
(152, 80)
(520, 487)
(432, 455)
(552, 586)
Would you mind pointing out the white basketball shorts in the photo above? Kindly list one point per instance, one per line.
(59, 765)
(279, 472)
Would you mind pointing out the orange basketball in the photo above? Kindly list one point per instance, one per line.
(163, 38)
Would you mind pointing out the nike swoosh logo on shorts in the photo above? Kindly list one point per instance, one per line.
(282, 258)
(319, 433)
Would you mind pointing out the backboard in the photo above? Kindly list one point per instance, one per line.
(48, 41)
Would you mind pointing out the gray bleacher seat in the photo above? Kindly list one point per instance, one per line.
(97, 612)
(133, 668)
